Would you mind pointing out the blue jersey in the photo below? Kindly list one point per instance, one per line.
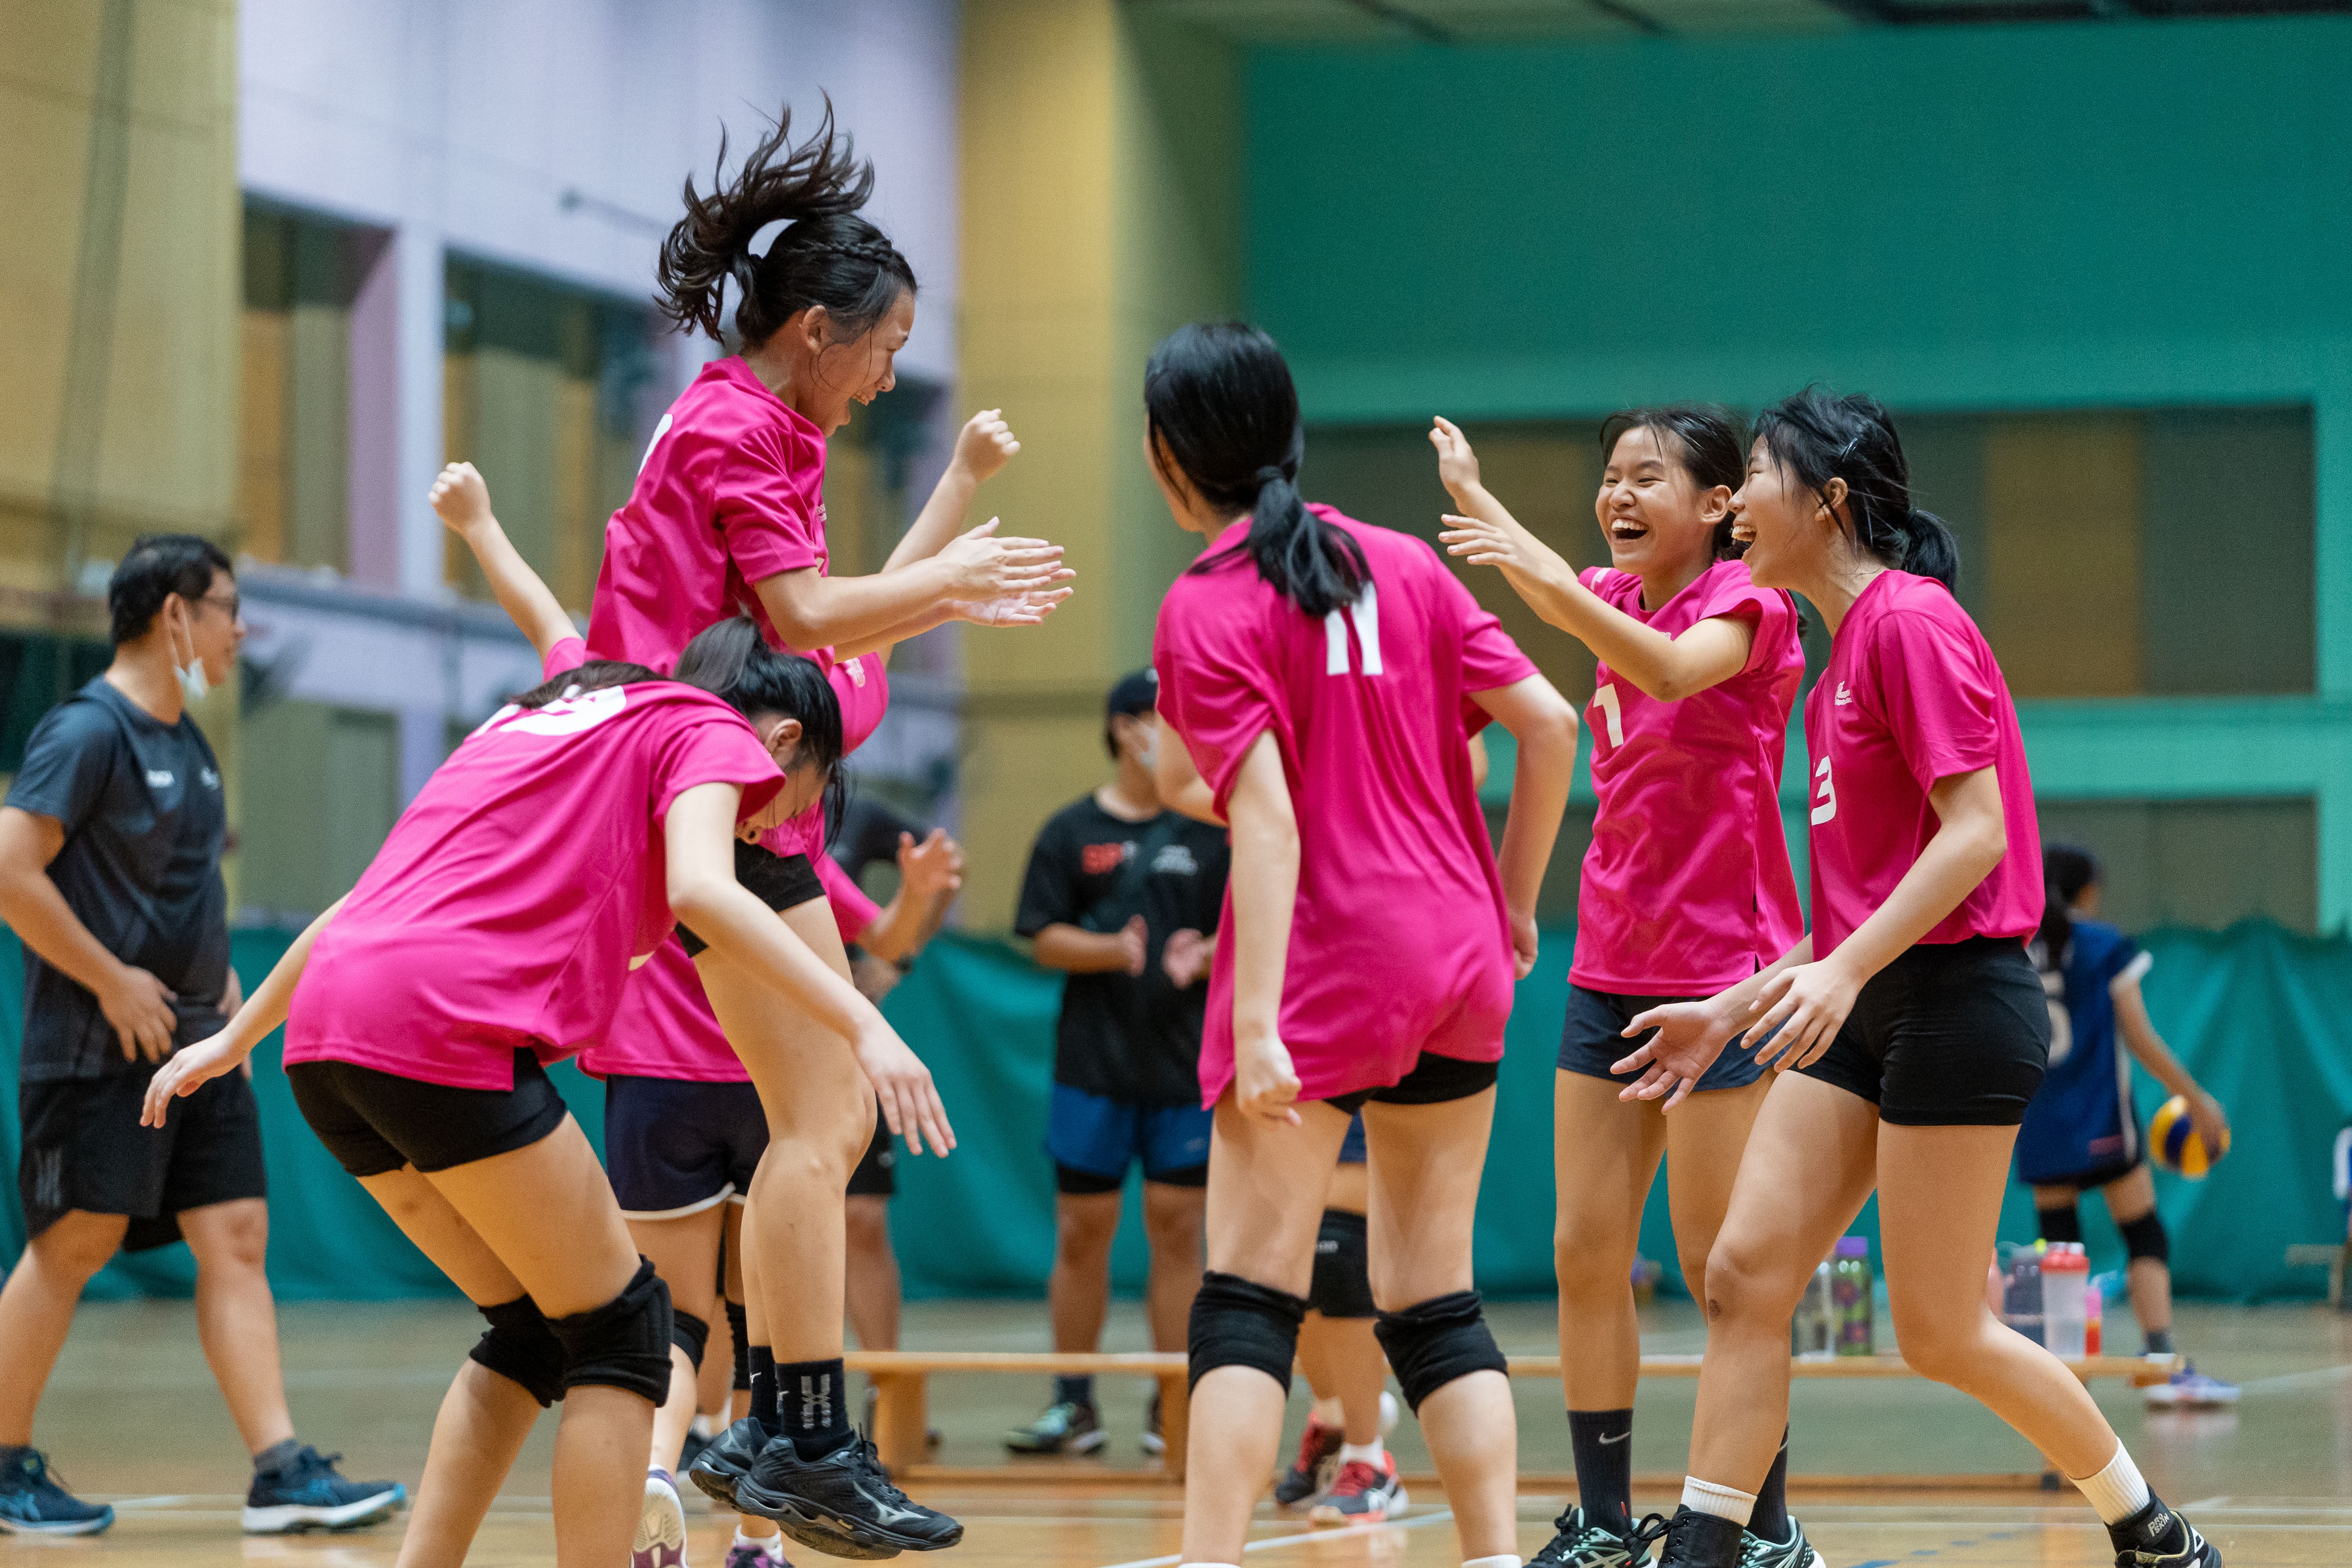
(2080, 1121)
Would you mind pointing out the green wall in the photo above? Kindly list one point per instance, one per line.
(1957, 219)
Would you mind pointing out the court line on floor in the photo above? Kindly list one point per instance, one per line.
(1274, 1541)
(2296, 1379)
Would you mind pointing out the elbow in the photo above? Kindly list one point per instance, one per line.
(695, 901)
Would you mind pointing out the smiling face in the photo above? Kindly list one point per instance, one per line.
(855, 372)
(1658, 520)
(1786, 527)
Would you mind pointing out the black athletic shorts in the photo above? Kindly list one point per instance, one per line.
(1948, 1035)
(675, 1146)
(1433, 1080)
(876, 1174)
(373, 1122)
(779, 881)
(85, 1150)
(2092, 1181)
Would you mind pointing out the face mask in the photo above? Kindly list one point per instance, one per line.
(195, 684)
(1149, 757)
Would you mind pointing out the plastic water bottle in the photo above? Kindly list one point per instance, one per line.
(2065, 1312)
(2021, 1302)
(1849, 1295)
(1812, 1332)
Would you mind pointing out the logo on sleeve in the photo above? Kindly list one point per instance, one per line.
(1844, 699)
(159, 778)
(209, 779)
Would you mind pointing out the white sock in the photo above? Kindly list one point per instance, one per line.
(1330, 1412)
(1500, 1560)
(1369, 1453)
(1723, 1502)
(701, 1427)
(775, 1538)
(2119, 1491)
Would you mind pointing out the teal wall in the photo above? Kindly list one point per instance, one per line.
(1978, 218)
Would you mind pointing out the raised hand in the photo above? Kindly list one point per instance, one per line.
(985, 567)
(985, 445)
(1185, 958)
(933, 868)
(1486, 542)
(1457, 465)
(460, 497)
(1027, 609)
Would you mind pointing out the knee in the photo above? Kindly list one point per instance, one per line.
(869, 1225)
(624, 1344)
(71, 1252)
(1744, 1285)
(237, 1236)
(1590, 1256)
(1085, 1231)
(1437, 1341)
(1944, 1345)
(1174, 1226)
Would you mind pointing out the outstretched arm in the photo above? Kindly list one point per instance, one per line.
(2206, 1118)
(265, 1009)
(463, 502)
(1668, 668)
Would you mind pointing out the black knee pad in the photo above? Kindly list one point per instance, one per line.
(1437, 1341)
(690, 1334)
(1343, 1267)
(624, 1344)
(1237, 1322)
(2144, 1238)
(521, 1347)
(2063, 1224)
(738, 1332)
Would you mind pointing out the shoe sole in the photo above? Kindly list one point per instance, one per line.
(1327, 1514)
(295, 1519)
(1085, 1445)
(713, 1482)
(60, 1527)
(660, 1540)
(829, 1533)
(1153, 1443)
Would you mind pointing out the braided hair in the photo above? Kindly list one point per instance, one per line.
(1818, 434)
(828, 256)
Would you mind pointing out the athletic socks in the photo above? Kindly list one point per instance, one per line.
(2118, 1493)
(1722, 1503)
(1367, 1453)
(1603, 1441)
(1075, 1391)
(763, 1390)
(1770, 1516)
(276, 1457)
(813, 1405)
(2158, 1342)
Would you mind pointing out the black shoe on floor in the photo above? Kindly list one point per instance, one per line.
(2155, 1537)
(1693, 1540)
(841, 1505)
(728, 1460)
(306, 1493)
(1580, 1540)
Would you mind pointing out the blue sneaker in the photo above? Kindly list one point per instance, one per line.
(33, 1504)
(307, 1494)
(2192, 1390)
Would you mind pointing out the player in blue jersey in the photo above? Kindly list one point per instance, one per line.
(2080, 1130)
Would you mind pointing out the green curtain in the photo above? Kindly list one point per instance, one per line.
(2260, 1016)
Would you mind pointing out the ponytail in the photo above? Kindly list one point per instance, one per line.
(2066, 870)
(828, 257)
(1222, 412)
(1818, 435)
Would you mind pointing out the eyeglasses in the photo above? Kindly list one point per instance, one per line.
(234, 604)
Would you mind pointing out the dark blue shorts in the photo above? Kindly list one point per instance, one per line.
(1594, 1037)
(1351, 1151)
(1094, 1139)
(674, 1148)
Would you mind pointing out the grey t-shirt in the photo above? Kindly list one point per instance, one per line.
(145, 826)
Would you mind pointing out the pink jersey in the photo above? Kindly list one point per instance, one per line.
(1399, 943)
(517, 890)
(664, 1027)
(731, 490)
(1687, 887)
(1912, 695)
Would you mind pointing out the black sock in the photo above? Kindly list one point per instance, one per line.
(276, 1457)
(2155, 1528)
(813, 1405)
(763, 1389)
(1075, 1391)
(1603, 1441)
(1770, 1519)
(2159, 1342)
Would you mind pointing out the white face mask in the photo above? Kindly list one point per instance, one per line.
(195, 684)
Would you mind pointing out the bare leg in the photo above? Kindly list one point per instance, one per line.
(1704, 1138)
(1078, 1291)
(1265, 1204)
(873, 1274)
(2128, 1199)
(36, 1308)
(685, 1253)
(1425, 1164)
(1341, 1358)
(237, 1317)
(1605, 1154)
(1939, 1195)
(743, 1284)
(1810, 1162)
(1174, 1221)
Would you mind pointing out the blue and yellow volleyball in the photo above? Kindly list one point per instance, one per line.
(2173, 1142)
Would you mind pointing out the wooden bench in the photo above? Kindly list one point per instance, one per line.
(901, 1380)
(2331, 1256)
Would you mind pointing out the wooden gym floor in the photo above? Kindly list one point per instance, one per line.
(132, 1417)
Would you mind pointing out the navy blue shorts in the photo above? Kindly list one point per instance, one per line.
(1351, 1151)
(674, 1148)
(1094, 1139)
(1594, 1037)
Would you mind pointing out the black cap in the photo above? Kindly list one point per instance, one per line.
(1137, 694)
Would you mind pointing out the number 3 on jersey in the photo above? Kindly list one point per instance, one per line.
(1824, 792)
(1604, 697)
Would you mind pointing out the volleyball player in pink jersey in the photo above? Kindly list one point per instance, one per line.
(728, 512)
(492, 934)
(1320, 673)
(1687, 890)
(1914, 1021)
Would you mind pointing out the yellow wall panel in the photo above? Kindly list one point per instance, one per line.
(2063, 513)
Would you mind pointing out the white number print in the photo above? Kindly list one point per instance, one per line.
(571, 715)
(1365, 614)
(660, 430)
(1605, 698)
(1824, 792)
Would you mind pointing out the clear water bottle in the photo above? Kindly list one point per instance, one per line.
(1812, 1332)
(1849, 1295)
(2021, 1301)
(2066, 1310)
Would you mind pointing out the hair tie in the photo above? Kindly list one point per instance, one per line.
(1269, 475)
